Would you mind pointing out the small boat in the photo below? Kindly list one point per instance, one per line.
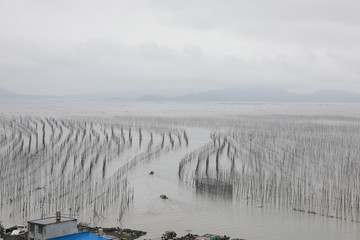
(151, 173)
(163, 197)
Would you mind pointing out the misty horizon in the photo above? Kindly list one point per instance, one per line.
(142, 92)
(222, 95)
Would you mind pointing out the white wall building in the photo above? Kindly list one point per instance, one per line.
(45, 228)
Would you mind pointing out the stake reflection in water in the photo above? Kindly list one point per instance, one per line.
(309, 166)
(77, 166)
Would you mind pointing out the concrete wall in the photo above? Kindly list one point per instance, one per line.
(35, 234)
(54, 230)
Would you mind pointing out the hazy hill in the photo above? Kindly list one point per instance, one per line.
(331, 96)
(7, 94)
(270, 95)
(225, 95)
(240, 95)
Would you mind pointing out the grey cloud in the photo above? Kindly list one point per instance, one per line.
(68, 47)
(324, 22)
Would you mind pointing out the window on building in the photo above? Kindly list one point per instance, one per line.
(32, 227)
(40, 229)
(31, 239)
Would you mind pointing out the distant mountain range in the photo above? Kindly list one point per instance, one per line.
(225, 95)
(271, 95)
(7, 94)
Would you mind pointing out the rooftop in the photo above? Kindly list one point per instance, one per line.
(80, 236)
(51, 220)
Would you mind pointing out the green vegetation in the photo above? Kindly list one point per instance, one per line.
(2, 229)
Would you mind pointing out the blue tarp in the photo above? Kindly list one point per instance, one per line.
(80, 236)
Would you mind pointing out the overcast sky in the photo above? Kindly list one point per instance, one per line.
(83, 46)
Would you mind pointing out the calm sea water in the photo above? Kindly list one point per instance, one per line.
(185, 210)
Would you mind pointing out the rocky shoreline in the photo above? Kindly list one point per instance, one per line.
(117, 233)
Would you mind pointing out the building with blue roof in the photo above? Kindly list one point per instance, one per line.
(81, 236)
(52, 227)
